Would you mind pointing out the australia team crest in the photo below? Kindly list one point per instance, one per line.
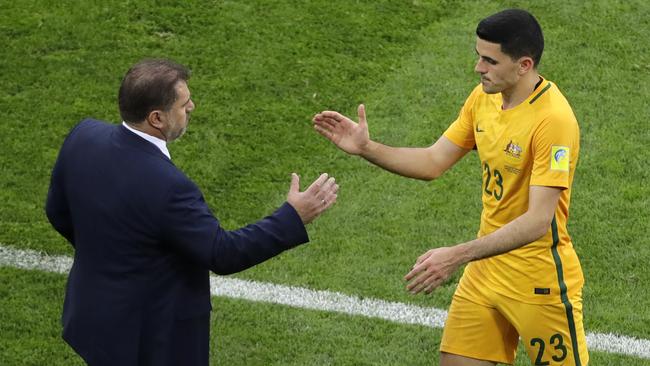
(513, 150)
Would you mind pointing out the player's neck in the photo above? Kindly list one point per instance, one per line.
(519, 92)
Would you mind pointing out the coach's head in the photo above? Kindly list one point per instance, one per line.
(154, 98)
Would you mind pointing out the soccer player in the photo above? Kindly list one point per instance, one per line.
(523, 278)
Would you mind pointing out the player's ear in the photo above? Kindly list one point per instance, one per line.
(526, 64)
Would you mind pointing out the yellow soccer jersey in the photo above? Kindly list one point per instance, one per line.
(534, 143)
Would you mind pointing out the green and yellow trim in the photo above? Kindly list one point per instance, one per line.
(547, 87)
(563, 288)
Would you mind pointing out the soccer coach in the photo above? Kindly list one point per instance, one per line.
(145, 240)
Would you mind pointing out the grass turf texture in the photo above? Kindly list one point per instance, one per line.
(261, 70)
(241, 332)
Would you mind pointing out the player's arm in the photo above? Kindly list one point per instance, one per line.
(425, 163)
(437, 265)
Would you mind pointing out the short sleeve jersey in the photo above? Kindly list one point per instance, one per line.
(534, 143)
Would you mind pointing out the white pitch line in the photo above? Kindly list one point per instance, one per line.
(327, 301)
(321, 300)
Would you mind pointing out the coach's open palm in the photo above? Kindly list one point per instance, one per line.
(348, 135)
(320, 195)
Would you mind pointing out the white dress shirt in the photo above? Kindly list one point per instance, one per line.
(160, 144)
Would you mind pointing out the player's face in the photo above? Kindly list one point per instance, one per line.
(498, 71)
(176, 119)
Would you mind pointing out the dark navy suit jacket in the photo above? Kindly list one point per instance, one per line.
(138, 292)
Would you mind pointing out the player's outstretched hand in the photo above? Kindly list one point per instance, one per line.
(348, 135)
(320, 195)
(432, 269)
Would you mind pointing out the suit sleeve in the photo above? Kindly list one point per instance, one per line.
(191, 229)
(57, 209)
(56, 206)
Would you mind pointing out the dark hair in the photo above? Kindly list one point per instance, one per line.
(149, 85)
(517, 31)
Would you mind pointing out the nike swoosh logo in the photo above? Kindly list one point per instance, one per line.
(478, 129)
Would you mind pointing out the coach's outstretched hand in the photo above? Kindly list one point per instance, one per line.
(320, 195)
(348, 135)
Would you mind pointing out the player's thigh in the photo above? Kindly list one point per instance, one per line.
(477, 332)
(448, 359)
(553, 334)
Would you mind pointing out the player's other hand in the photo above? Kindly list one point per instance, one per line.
(348, 135)
(432, 269)
(320, 195)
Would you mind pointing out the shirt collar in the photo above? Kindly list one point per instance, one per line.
(160, 144)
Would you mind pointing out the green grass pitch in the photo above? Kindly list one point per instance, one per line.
(261, 69)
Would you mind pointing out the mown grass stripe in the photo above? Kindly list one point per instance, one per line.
(299, 297)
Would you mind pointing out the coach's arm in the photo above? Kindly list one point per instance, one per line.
(56, 205)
